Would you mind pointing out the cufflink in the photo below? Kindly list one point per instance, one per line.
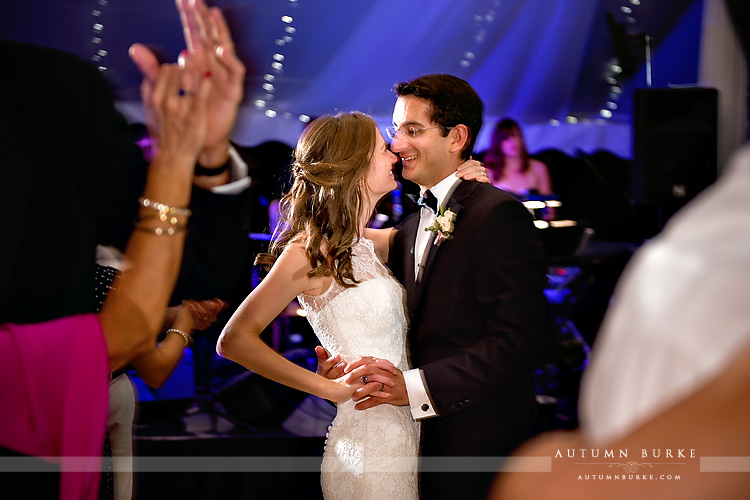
(425, 407)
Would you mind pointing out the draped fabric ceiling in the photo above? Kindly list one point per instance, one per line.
(534, 60)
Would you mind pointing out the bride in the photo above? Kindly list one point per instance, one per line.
(321, 257)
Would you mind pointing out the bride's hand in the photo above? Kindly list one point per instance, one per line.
(472, 170)
(375, 383)
(329, 366)
(382, 364)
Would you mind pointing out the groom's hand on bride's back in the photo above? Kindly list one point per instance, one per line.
(331, 367)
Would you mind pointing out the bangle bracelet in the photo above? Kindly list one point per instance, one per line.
(187, 338)
(163, 208)
(160, 231)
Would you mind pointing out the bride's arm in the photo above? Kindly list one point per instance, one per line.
(240, 340)
(381, 239)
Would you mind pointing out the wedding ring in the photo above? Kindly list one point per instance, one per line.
(364, 379)
(382, 386)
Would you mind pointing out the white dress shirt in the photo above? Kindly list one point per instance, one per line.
(239, 180)
(419, 399)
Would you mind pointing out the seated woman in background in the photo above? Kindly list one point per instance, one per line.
(510, 167)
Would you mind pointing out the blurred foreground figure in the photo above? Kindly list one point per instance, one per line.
(670, 378)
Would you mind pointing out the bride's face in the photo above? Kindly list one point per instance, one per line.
(380, 178)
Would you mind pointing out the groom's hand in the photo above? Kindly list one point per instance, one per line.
(393, 389)
(393, 395)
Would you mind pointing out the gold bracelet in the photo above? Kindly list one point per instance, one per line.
(163, 217)
(160, 231)
(187, 338)
(163, 208)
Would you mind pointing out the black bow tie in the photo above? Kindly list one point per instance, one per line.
(428, 201)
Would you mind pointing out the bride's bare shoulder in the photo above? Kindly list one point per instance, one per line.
(381, 240)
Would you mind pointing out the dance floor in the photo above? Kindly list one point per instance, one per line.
(188, 459)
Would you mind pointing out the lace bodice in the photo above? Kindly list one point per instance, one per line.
(366, 320)
(369, 454)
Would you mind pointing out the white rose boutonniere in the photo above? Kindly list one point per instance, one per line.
(444, 225)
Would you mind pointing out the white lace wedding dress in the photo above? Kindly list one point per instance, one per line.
(369, 454)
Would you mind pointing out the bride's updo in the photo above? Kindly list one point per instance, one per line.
(322, 209)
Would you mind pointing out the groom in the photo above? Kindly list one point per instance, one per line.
(475, 296)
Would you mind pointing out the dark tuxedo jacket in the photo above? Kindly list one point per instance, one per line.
(477, 321)
(71, 178)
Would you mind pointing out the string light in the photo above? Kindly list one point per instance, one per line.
(98, 30)
(614, 70)
(483, 24)
(611, 77)
(271, 82)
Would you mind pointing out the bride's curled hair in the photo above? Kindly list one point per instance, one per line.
(323, 208)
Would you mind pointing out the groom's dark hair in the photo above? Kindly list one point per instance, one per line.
(452, 102)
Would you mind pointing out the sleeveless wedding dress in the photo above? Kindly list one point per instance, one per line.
(373, 453)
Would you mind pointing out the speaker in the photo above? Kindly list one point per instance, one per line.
(674, 142)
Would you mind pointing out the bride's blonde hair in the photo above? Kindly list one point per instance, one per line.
(323, 207)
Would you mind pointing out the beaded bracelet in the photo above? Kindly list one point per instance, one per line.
(187, 338)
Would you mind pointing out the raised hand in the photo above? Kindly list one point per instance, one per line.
(210, 46)
(177, 102)
(211, 49)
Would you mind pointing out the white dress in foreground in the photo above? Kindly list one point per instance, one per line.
(680, 312)
(369, 454)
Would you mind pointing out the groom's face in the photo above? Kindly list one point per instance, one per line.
(425, 153)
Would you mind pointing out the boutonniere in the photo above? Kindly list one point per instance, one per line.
(444, 225)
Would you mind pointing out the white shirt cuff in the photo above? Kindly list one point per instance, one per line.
(237, 173)
(419, 401)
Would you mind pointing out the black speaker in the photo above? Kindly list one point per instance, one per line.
(674, 142)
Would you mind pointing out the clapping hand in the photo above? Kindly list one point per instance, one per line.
(194, 314)
(204, 312)
(177, 101)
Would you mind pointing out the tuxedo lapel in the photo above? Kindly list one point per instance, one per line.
(430, 254)
(410, 227)
(433, 249)
(418, 288)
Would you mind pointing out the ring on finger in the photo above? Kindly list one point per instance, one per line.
(364, 379)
